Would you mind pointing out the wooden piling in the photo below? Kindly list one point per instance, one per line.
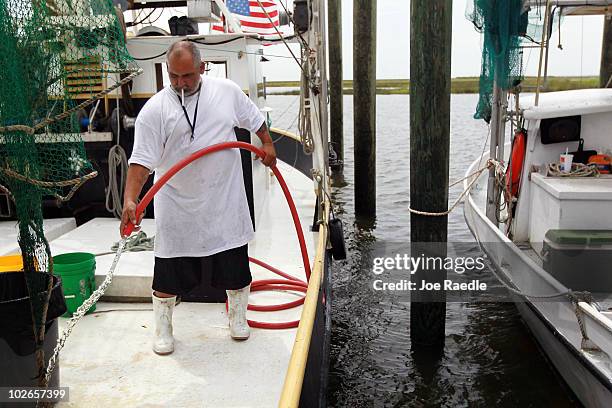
(336, 125)
(605, 70)
(364, 101)
(430, 81)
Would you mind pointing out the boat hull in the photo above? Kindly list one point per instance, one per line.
(575, 370)
(552, 321)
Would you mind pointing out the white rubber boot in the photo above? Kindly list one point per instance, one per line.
(163, 342)
(238, 300)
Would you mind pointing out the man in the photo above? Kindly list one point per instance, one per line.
(201, 215)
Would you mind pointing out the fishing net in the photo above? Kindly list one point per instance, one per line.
(58, 58)
(506, 25)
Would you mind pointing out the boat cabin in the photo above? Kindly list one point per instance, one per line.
(562, 122)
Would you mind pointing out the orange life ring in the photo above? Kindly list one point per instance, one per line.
(517, 160)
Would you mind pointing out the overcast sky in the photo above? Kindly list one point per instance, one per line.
(580, 37)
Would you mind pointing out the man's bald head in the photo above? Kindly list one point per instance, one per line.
(183, 48)
(185, 66)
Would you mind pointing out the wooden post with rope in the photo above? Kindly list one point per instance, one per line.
(430, 80)
(364, 96)
(605, 70)
(336, 124)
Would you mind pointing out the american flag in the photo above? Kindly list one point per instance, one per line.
(253, 19)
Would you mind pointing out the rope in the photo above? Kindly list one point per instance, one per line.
(30, 130)
(574, 297)
(136, 243)
(586, 343)
(80, 312)
(116, 159)
(4, 190)
(578, 170)
(76, 183)
(117, 164)
(490, 164)
(304, 121)
(280, 35)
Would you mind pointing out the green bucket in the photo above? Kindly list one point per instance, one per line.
(78, 273)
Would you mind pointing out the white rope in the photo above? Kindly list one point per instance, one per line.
(578, 170)
(490, 163)
(80, 312)
(117, 164)
(116, 159)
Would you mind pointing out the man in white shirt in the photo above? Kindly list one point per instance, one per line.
(202, 217)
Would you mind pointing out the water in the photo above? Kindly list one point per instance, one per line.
(489, 358)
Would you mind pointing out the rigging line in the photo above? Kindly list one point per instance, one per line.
(581, 47)
(288, 107)
(211, 49)
(264, 39)
(158, 17)
(150, 58)
(134, 23)
(293, 122)
(290, 15)
(280, 35)
(250, 53)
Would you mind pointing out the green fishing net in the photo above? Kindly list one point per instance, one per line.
(501, 23)
(506, 26)
(58, 59)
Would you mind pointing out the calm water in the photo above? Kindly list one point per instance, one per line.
(489, 359)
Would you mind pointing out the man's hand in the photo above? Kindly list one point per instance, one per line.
(129, 214)
(270, 159)
(268, 146)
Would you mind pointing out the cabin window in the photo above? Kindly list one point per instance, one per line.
(560, 130)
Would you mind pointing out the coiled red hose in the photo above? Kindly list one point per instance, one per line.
(289, 282)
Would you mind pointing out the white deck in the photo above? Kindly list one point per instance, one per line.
(107, 361)
(53, 229)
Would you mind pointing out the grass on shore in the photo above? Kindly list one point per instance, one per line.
(459, 85)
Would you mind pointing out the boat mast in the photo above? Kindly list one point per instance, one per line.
(496, 149)
(543, 50)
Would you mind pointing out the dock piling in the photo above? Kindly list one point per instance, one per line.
(430, 80)
(364, 97)
(605, 71)
(336, 110)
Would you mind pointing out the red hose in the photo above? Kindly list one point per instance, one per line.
(289, 282)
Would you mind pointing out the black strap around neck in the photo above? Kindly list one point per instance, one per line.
(195, 114)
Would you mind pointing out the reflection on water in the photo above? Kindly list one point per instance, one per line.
(489, 357)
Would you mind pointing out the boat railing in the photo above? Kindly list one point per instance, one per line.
(294, 379)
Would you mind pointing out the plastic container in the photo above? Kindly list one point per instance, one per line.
(77, 271)
(579, 259)
(566, 162)
(10, 263)
(17, 345)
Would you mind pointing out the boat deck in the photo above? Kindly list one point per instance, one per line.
(108, 359)
(53, 228)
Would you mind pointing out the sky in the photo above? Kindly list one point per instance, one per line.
(580, 38)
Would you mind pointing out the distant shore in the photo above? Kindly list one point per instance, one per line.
(460, 85)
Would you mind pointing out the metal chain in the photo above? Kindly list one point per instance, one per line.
(80, 312)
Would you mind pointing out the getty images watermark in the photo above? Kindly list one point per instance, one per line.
(411, 264)
(445, 272)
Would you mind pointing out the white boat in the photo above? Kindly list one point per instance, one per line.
(107, 359)
(566, 305)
